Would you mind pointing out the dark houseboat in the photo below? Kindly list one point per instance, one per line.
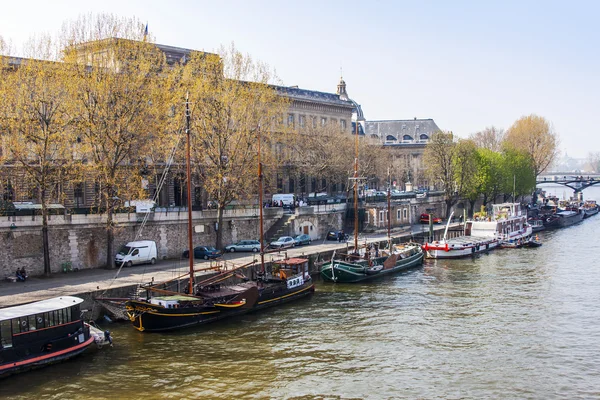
(568, 218)
(41, 333)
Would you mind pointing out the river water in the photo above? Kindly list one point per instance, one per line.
(512, 324)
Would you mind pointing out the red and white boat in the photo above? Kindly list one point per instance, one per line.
(508, 223)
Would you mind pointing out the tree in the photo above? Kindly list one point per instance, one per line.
(440, 163)
(324, 153)
(36, 125)
(519, 175)
(594, 161)
(490, 138)
(534, 135)
(231, 101)
(491, 174)
(121, 104)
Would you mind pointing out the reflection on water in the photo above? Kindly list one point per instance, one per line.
(521, 323)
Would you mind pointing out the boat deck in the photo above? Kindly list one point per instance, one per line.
(468, 240)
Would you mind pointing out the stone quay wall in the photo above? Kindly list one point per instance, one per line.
(79, 241)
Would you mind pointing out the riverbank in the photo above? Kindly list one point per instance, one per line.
(101, 282)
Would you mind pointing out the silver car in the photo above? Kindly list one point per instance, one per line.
(283, 242)
(244, 245)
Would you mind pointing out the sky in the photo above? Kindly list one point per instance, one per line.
(465, 64)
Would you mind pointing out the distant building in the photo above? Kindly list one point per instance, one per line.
(406, 140)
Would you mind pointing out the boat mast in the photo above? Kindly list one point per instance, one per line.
(260, 207)
(356, 189)
(389, 204)
(189, 193)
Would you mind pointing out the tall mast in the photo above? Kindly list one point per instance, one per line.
(356, 188)
(260, 207)
(189, 193)
(389, 205)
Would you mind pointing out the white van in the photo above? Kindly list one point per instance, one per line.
(143, 251)
(288, 199)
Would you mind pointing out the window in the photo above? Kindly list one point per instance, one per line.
(5, 334)
(368, 217)
(343, 123)
(301, 121)
(290, 120)
(405, 213)
(323, 121)
(407, 137)
(314, 122)
(398, 214)
(78, 194)
(382, 217)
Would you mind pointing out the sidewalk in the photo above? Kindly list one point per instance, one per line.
(85, 281)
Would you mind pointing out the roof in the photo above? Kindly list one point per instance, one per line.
(292, 261)
(32, 206)
(296, 93)
(39, 307)
(140, 243)
(400, 127)
(176, 298)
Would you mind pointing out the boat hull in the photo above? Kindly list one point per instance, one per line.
(35, 361)
(476, 247)
(570, 219)
(147, 317)
(346, 272)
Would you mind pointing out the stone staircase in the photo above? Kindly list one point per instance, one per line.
(281, 228)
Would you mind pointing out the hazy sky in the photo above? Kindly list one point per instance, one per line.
(467, 65)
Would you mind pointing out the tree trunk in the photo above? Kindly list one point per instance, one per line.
(110, 238)
(448, 208)
(219, 243)
(485, 200)
(472, 208)
(45, 241)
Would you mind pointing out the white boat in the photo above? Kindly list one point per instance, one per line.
(508, 223)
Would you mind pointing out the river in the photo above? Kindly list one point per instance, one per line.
(512, 324)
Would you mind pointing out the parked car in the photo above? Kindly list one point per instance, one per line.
(244, 245)
(204, 252)
(336, 235)
(143, 251)
(283, 242)
(424, 219)
(302, 239)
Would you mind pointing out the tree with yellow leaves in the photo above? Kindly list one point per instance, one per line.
(535, 136)
(35, 124)
(121, 101)
(231, 100)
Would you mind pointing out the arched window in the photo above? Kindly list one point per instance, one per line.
(424, 137)
(407, 137)
(390, 138)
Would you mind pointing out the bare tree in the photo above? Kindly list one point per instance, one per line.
(490, 138)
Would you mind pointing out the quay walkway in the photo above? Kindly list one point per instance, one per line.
(85, 282)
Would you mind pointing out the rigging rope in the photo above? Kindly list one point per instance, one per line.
(161, 183)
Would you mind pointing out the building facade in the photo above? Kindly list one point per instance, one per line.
(405, 139)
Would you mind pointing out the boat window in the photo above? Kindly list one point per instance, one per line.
(59, 317)
(49, 317)
(32, 323)
(23, 322)
(5, 334)
(68, 315)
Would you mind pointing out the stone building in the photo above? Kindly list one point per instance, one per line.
(406, 140)
(307, 107)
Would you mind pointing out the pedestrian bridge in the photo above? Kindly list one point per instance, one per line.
(576, 182)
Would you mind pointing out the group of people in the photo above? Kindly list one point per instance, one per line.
(21, 274)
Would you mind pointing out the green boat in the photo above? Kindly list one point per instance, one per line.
(353, 268)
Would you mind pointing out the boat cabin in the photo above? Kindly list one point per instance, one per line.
(293, 270)
(34, 334)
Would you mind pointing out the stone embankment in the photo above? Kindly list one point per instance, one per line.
(90, 284)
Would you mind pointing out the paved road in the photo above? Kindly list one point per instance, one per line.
(84, 281)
